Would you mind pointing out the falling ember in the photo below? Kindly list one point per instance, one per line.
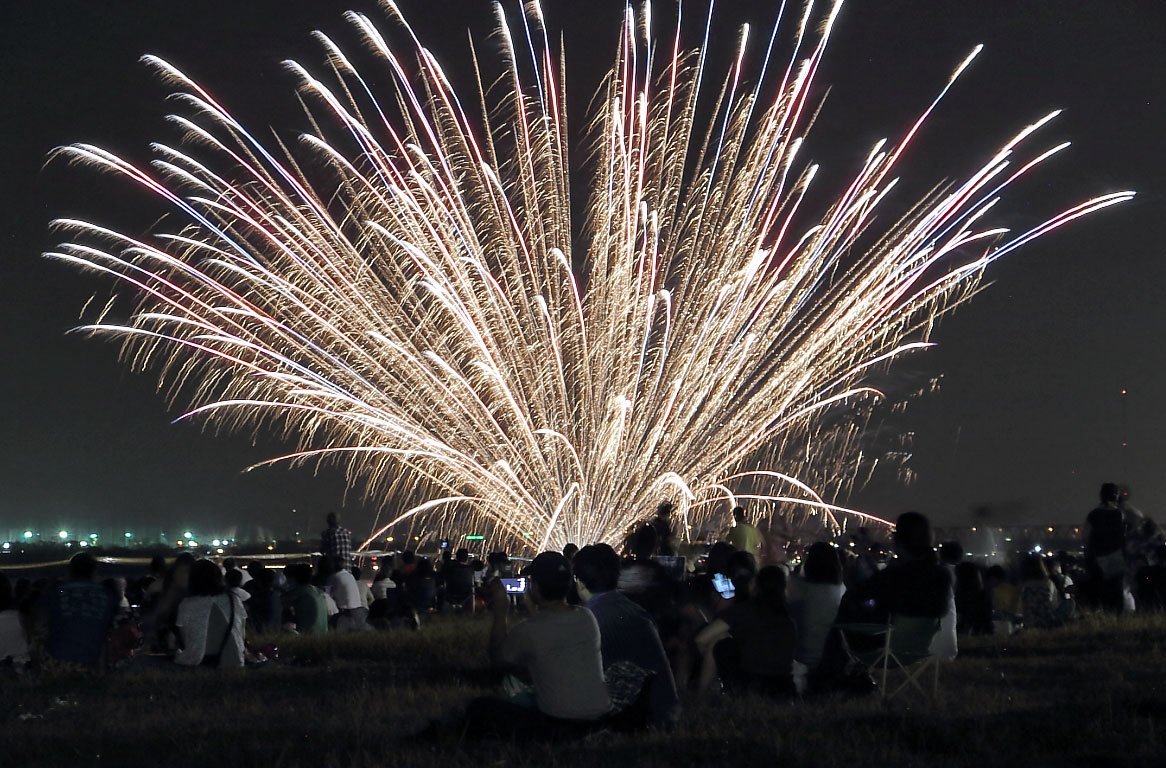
(429, 315)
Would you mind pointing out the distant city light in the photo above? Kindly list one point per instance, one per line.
(475, 537)
(83, 543)
(179, 542)
(1036, 548)
(192, 543)
(8, 545)
(187, 535)
(63, 535)
(219, 550)
(217, 543)
(93, 535)
(28, 534)
(389, 539)
(129, 535)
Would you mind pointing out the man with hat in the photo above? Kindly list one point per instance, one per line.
(558, 645)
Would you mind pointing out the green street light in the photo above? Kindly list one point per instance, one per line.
(28, 534)
(187, 535)
(63, 534)
(129, 535)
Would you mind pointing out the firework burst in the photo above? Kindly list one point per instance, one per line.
(421, 307)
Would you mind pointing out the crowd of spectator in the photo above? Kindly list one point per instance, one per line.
(609, 639)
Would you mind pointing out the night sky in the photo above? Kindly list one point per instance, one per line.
(1029, 418)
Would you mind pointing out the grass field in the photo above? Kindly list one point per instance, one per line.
(1092, 694)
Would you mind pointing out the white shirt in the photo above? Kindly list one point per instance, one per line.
(560, 648)
(380, 589)
(202, 621)
(342, 587)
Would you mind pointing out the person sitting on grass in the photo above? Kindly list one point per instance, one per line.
(627, 633)
(643, 579)
(305, 601)
(814, 598)
(265, 608)
(750, 646)
(1043, 605)
(351, 613)
(459, 581)
(80, 613)
(972, 601)
(559, 646)
(421, 586)
(210, 621)
(361, 585)
(158, 622)
(1005, 599)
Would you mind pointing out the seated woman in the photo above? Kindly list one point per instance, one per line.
(814, 600)
(210, 621)
(751, 645)
(1043, 605)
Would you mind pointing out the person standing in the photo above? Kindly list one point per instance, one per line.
(743, 536)
(662, 523)
(1105, 548)
(336, 541)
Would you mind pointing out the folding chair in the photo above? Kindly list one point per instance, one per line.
(906, 649)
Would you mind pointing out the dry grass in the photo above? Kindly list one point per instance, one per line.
(1090, 694)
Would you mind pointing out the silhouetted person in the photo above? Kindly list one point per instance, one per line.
(1104, 548)
(627, 632)
(459, 581)
(1042, 604)
(750, 646)
(336, 541)
(80, 612)
(305, 601)
(662, 524)
(973, 604)
(914, 583)
(743, 536)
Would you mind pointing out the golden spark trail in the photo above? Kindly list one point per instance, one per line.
(407, 293)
